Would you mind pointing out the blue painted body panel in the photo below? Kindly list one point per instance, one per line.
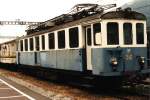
(48, 59)
(69, 60)
(26, 58)
(60, 59)
(127, 59)
(75, 60)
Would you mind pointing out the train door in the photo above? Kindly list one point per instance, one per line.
(148, 47)
(18, 57)
(37, 48)
(88, 47)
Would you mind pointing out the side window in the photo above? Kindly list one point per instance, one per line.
(31, 44)
(37, 43)
(73, 37)
(21, 45)
(112, 33)
(43, 42)
(127, 33)
(140, 33)
(61, 39)
(26, 44)
(51, 40)
(96, 29)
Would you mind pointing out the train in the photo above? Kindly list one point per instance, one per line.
(109, 45)
(8, 52)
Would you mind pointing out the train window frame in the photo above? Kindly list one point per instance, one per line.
(61, 39)
(128, 38)
(37, 47)
(109, 35)
(51, 40)
(31, 44)
(138, 34)
(43, 42)
(21, 45)
(74, 37)
(96, 31)
(26, 44)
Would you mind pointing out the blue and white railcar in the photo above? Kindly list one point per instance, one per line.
(111, 44)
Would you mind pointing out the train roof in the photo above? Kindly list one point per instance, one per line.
(90, 12)
(124, 14)
(10, 41)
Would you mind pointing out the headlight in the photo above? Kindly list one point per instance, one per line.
(114, 63)
(141, 61)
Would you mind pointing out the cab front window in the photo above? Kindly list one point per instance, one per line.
(112, 33)
(127, 33)
(140, 33)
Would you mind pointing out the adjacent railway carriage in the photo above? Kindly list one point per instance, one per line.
(8, 52)
(111, 44)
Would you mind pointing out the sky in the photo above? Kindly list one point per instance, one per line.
(38, 10)
(41, 10)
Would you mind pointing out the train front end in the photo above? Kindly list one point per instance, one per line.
(120, 49)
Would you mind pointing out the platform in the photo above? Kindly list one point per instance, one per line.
(11, 91)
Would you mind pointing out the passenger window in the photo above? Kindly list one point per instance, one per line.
(37, 43)
(26, 44)
(89, 42)
(31, 44)
(21, 45)
(73, 37)
(112, 33)
(43, 42)
(127, 33)
(51, 39)
(140, 33)
(61, 39)
(96, 29)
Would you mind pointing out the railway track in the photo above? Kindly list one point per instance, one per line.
(123, 93)
(77, 90)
